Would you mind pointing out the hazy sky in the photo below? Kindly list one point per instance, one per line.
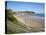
(26, 6)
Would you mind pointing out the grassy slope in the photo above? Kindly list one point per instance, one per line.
(13, 26)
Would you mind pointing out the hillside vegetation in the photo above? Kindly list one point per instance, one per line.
(13, 26)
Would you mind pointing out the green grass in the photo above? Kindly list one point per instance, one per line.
(13, 26)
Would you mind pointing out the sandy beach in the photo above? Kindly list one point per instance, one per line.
(32, 21)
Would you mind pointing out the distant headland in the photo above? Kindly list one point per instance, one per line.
(24, 12)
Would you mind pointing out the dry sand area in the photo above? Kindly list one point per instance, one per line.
(35, 22)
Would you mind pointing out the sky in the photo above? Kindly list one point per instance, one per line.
(26, 6)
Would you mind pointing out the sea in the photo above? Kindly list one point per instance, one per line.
(39, 15)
